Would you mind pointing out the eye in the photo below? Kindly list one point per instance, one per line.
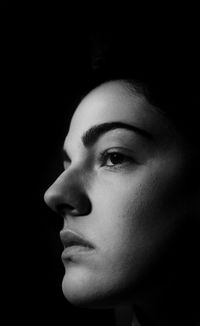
(114, 159)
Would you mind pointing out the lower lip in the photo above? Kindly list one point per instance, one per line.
(69, 252)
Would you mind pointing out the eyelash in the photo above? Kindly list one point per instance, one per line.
(106, 155)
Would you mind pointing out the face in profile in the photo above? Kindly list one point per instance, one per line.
(119, 194)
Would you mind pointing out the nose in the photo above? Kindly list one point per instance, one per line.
(68, 195)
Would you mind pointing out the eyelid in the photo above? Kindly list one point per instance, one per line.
(104, 155)
(119, 150)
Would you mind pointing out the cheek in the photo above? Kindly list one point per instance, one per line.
(134, 218)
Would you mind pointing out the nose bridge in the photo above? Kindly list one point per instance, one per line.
(67, 179)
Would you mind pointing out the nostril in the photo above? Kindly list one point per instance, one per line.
(63, 208)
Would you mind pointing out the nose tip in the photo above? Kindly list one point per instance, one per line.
(68, 200)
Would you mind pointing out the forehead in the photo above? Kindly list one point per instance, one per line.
(114, 101)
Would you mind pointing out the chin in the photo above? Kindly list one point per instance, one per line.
(79, 288)
(85, 290)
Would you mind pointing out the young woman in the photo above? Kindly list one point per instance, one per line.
(129, 197)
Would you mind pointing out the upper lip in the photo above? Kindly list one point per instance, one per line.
(70, 238)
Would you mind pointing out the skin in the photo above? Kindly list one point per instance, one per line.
(130, 206)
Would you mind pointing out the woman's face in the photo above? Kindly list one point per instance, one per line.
(120, 190)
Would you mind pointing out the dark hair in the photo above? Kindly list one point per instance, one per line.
(165, 70)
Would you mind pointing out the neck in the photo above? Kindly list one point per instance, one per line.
(128, 315)
(171, 309)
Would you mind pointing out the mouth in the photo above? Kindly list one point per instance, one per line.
(74, 244)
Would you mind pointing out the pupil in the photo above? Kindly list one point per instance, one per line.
(116, 158)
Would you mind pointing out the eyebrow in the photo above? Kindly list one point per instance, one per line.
(91, 136)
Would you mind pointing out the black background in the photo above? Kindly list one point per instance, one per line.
(44, 65)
